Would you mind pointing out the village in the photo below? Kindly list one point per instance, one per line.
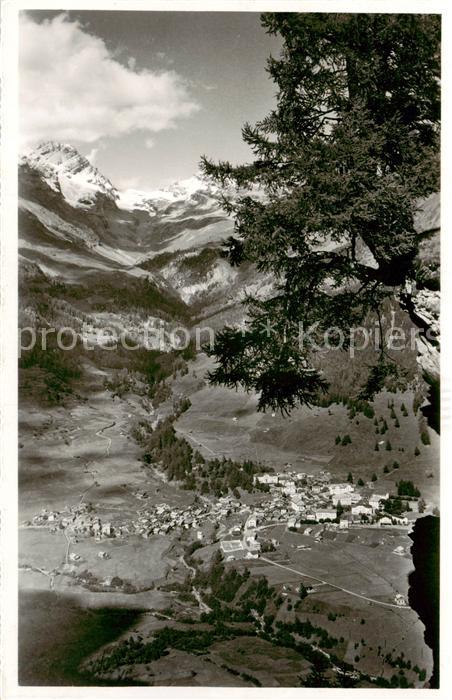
(298, 500)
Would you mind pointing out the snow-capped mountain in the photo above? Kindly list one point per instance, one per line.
(195, 189)
(72, 216)
(74, 222)
(63, 168)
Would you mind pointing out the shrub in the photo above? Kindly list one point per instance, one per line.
(407, 488)
(425, 438)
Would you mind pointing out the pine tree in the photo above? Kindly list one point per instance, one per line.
(350, 478)
(349, 148)
(388, 446)
(374, 477)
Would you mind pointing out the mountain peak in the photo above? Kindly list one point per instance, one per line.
(65, 170)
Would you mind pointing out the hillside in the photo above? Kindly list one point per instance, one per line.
(142, 267)
(92, 256)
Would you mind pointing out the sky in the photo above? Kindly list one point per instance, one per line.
(144, 94)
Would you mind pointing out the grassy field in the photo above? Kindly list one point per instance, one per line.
(271, 665)
(361, 561)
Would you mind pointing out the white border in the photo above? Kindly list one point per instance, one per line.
(8, 356)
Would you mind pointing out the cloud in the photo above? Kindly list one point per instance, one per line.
(92, 155)
(149, 143)
(73, 88)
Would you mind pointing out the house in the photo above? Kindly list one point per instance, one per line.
(376, 498)
(326, 514)
(362, 509)
(252, 544)
(385, 520)
(341, 488)
(251, 555)
(297, 506)
(267, 478)
(297, 502)
(400, 551)
(292, 521)
(106, 529)
(355, 497)
(344, 499)
(398, 520)
(344, 523)
(251, 522)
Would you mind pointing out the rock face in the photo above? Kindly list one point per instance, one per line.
(421, 295)
(426, 309)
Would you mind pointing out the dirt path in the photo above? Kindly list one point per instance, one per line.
(333, 585)
(196, 441)
(105, 437)
(202, 605)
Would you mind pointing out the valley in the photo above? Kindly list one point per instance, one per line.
(323, 500)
